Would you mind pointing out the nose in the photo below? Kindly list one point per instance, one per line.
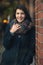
(19, 15)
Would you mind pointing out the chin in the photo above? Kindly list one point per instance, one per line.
(19, 21)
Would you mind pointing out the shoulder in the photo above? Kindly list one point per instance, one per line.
(12, 22)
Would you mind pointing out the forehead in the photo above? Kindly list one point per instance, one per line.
(19, 10)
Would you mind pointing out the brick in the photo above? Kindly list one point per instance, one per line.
(39, 22)
(40, 30)
(40, 38)
(39, 53)
(36, 22)
(36, 17)
(41, 61)
(40, 15)
(40, 45)
(37, 2)
(39, 7)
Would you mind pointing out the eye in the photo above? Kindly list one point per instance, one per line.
(22, 13)
(17, 13)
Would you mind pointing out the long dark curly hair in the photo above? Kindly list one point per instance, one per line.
(22, 7)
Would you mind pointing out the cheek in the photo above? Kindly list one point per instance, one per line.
(16, 16)
(23, 16)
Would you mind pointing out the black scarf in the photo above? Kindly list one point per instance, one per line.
(24, 26)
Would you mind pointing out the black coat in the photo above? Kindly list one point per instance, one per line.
(19, 48)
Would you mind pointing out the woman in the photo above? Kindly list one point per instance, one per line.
(17, 41)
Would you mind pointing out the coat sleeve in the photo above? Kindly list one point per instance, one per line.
(8, 37)
(31, 51)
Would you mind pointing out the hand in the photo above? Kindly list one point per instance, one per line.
(14, 28)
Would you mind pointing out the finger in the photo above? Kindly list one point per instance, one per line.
(17, 25)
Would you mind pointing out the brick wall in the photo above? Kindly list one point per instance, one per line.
(39, 31)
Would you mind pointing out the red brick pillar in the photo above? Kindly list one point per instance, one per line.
(39, 31)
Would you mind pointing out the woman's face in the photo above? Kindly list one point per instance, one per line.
(20, 15)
